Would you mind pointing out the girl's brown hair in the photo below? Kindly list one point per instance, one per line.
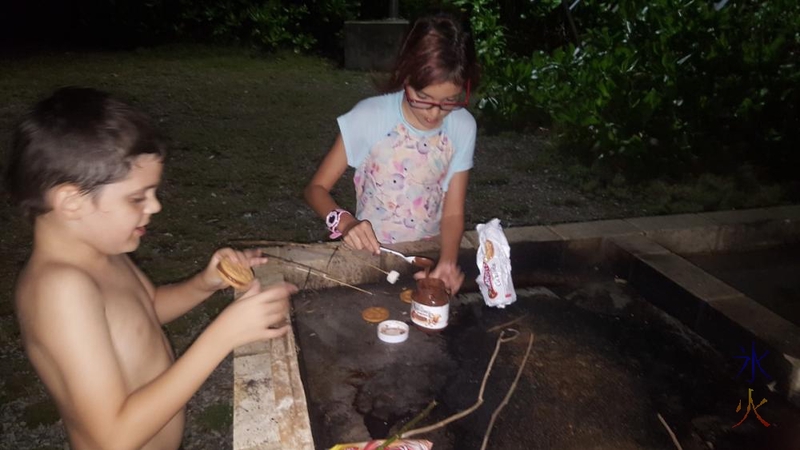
(435, 50)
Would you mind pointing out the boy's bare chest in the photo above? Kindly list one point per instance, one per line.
(135, 330)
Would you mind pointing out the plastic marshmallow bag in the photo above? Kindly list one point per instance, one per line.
(494, 263)
(400, 444)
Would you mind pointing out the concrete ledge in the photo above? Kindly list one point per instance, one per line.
(713, 309)
(723, 230)
(372, 45)
(270, 411)
(596, 229)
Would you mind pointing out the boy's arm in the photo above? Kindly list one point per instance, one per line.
(67, 336)
(174, 300)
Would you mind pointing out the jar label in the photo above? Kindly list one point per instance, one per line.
(433, 317)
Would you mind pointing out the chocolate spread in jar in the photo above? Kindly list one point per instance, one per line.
(430, 305)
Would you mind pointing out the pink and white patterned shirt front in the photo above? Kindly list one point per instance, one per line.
(402, 174)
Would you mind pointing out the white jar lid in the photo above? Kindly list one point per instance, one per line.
(392, 331)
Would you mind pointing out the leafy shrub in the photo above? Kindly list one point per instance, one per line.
(655, 87)
(267, 24)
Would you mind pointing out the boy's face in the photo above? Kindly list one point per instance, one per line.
(119, 212)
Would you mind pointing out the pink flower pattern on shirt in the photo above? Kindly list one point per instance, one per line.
(399, 185)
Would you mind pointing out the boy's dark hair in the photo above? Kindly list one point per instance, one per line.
(435, 50)
(80, 136)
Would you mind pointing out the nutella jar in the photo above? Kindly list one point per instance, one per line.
(430, 305)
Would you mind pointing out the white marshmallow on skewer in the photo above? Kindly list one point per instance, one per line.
(393, 276)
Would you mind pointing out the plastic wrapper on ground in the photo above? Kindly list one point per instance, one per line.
(494, 263)
(400, 444)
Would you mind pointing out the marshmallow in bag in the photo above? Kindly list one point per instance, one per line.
(494, 263)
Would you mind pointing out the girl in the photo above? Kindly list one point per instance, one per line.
(411, 149)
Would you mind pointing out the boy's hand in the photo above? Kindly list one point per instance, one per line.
(258, 314)
(449, 273)
(248, 258)
(359, 235)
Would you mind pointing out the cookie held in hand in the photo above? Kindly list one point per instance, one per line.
(237, 275)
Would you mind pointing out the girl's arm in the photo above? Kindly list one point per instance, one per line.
(357, 234)
(452, 229)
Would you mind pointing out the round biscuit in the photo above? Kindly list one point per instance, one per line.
(406, 295)
(238, 275)
(375, 314)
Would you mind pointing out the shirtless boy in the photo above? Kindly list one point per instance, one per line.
(85, 168)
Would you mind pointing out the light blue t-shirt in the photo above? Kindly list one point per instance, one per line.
(402, 173)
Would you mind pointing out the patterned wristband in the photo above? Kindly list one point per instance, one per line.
(332, 222)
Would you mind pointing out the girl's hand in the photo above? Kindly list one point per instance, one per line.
(359, 235)
(449, 273)
(248, 258)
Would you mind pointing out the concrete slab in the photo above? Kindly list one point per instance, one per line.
(531, 234)
(372, 45)
(767, 326)
(688, 276)
(269, 404)
(688, 240)
(595, 229)
(746, 216)
(637, 245)
(671, 222)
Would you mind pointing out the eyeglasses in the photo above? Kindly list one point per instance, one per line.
(444, 106)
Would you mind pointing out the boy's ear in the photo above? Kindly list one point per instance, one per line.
(68, 200)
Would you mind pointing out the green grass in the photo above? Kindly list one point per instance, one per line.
(217, 417)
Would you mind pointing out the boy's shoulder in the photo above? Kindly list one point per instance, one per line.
(46, 282)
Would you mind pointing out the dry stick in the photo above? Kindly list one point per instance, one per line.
(410, 424)
(272, 243)
(311, 270)
(669, 430)
(365, 262)
(500, 340)
(506, 325)
(376, 268)
(508, 394)
(328, 265)
(328, 277)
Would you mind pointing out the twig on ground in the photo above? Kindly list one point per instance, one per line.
(669, 430)
(500, 340)
(313, 271)
(508, 394)
(410, 424)
(376, 268)
(506, 325)
(268, 243)
(328, 277)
